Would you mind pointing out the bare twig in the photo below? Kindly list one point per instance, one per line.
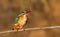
(27, 29)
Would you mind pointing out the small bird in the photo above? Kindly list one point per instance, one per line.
(20, 21)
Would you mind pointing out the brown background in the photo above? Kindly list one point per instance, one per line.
(44, 13)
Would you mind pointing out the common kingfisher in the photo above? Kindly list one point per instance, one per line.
(20, 20)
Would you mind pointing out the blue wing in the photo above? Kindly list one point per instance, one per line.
(16, 20)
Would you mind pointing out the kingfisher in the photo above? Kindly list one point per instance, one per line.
(21, 20)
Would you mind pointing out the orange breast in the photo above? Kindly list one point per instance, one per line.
(21, 17)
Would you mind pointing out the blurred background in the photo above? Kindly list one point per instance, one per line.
(44, 13)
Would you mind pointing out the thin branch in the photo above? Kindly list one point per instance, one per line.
(27, 29)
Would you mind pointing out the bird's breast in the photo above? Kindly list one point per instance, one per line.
(22, 19)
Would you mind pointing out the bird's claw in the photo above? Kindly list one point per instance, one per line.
(23, 29)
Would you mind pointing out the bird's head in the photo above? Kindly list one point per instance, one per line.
(26, 12)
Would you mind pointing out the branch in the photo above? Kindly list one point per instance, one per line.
(27, 29)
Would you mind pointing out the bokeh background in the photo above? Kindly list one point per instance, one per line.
(44, 13)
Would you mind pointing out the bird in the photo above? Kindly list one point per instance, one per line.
(21, 20)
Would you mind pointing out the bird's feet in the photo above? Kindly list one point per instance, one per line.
(15, 29)
(23, 29)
